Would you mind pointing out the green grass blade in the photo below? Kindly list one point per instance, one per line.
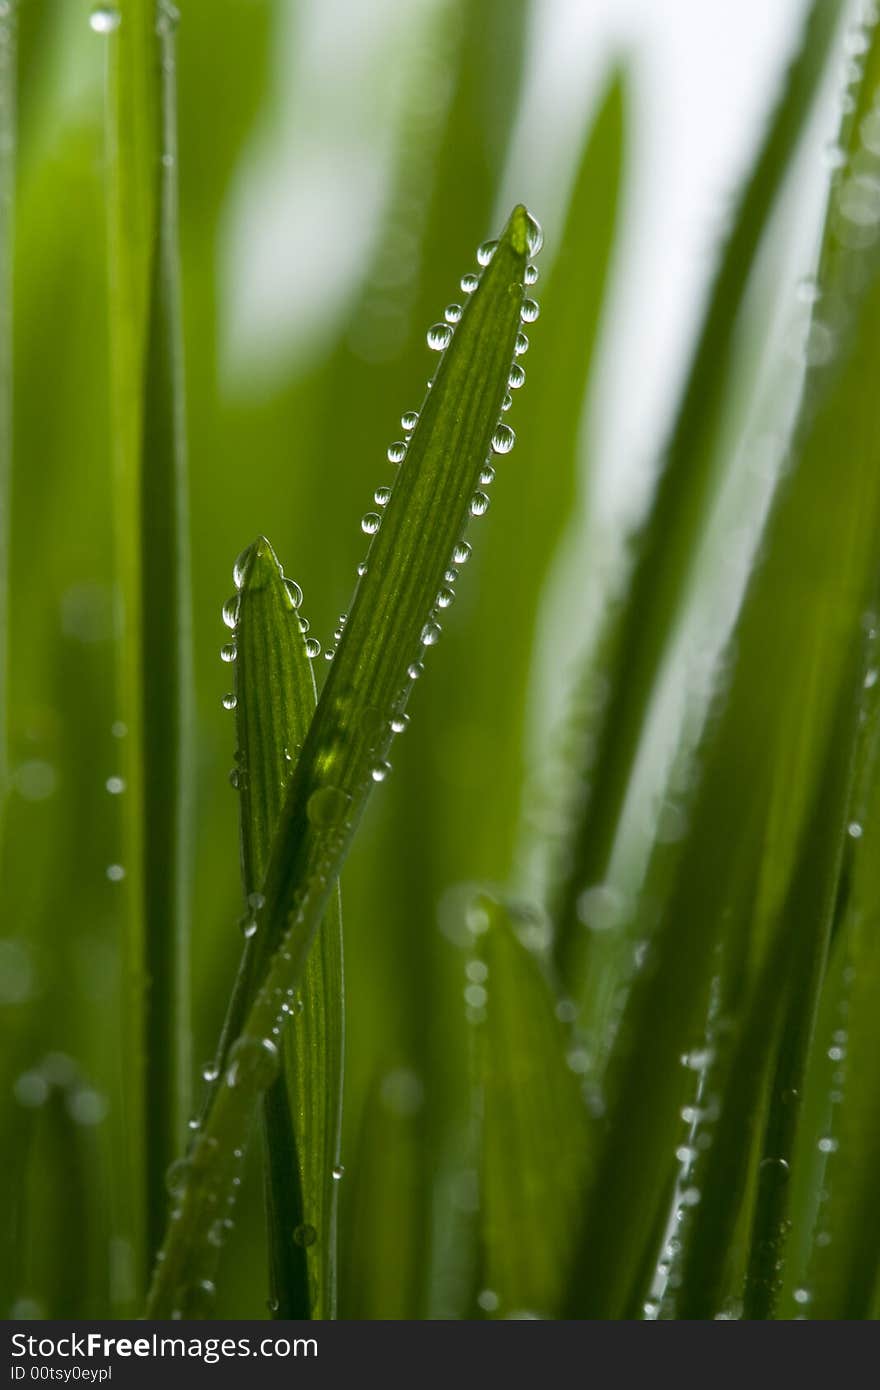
(668, 543)
(152, 556)
(807, 923)
(276, 697)
(393, 619)
(764, 754)
(534, 1130)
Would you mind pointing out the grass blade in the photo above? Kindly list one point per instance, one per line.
(668, 542)
(765, 754)
(534, 1136)
(152, 556)
(276, 697)
(393, 619)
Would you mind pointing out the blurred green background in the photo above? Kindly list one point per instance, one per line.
(338, 166)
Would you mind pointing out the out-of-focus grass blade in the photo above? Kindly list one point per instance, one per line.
(152, 551)
(382, 1249)
(275, 701)
(534, 1124)
(8, 22)
(394, 618)
(842, 1282)
(806, 925)
(766, 750)
(668, 542)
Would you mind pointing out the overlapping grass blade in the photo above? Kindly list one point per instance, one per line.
(152, 551)
(394, 619)
(276, 696)
(533, 1121)
(667, 545)
(763, 758)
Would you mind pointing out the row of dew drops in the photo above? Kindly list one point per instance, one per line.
(439, 337)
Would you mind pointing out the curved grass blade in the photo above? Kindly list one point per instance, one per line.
(275, 700)
(767, 749)
(668, 542)
(806, 925)
(534, 1131)
(393, 620)
(152, 558)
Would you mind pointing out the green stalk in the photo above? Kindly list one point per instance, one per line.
(666, 549)
(152, 557)
(275, 701)
(393, 618)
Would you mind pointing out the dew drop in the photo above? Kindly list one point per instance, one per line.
(460, 553)
(305, 1235)
(439, 336)
(304, 625)
(488, 1300)
(370, 523)
(452, 313)
(115, 873)
(534, 235)
(409, 420)
(177, 1176)
(479, 504)
(487, 475)
(399, 722)
(531, 274)
(362, 569)
(382, 496)
(228, 652)
(380, 772)
(210, 1072)
(248, 928)
(601, 907)
(521, 344)
(397, 451)
(486, 252)
(294, 592)
(430, 635)
(235, 779)
(229, 700)
(517, 376)
(414, 670)
(327, 806)
(802, 1296)
(253, 1060)
(827, 1144)
(469, 283)
(230, 610)
(239, 567)
(854, 830)
(313, 648)
(530, 310)
(338, 1172)
(444, 598)
(329, 653)
(507, 401)
(105, 19)
(115, 785)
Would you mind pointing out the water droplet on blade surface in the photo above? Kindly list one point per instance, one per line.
(531, 274)
(486, 252)
(294, 592)
(517, 376)
(534, 235)
(479, 504)
(230, 610)
(382, 496)
(305, 1235)
(105, 19)
(229, 700)
(452, 313)
(409, 420)
(313, 648)
(397, 451)
(228, 652)
(530, 310)
(430, 635)
(252, 1061)
(327, 806)
(439, 336)
(469, 283)
(370, 523)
